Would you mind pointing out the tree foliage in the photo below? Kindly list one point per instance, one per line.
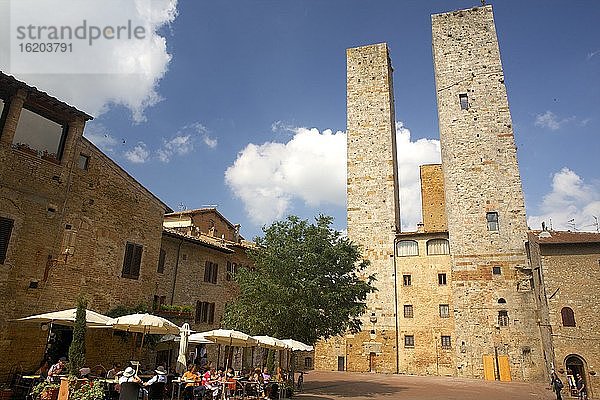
(308, 283)
(77, 348)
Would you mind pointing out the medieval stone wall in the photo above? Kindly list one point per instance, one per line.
(433, 201)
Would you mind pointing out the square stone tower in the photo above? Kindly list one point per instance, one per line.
(497, 335)
(373, 210)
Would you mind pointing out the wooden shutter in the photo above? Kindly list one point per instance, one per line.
(136, 261)
(215, 273)
(6, 226)
(489, 369)
(207, 271)
(211, 313)
(127, 260)
(504, 368)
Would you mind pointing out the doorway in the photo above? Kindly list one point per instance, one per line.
(372, 362)
(341, 363)
(576, 366)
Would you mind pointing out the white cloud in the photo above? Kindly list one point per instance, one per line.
(139, 154)
(184, 141)
(551, 121)
(100, 136)
(410, 156)
(134, 67)
(572, 203)
(311, 167)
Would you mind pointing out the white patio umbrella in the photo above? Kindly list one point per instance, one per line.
(144, 323)
(271, 342)
(229, 338)
(183, 344)
(297, 346)
(67, 317)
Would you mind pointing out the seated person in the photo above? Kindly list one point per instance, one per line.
(114, 372)
(156, 385)
(210, 381)
(57, 369)
(129, 383)
(192, 382)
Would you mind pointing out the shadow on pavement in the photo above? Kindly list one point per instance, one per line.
(320, 391)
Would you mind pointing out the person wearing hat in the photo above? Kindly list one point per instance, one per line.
(160, 376)
(129, 376)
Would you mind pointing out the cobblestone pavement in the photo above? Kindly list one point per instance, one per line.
(320, 385)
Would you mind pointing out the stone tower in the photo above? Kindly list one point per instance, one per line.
(494, 305)
(373, 210)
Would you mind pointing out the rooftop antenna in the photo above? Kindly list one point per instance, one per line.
(181, 207)
(483, 2)
(571, 224)
(596, 223)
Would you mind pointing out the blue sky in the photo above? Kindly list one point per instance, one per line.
(226, 115)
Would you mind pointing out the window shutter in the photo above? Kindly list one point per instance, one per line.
(6, 226)
(137, 260)
(207, 271)
(211, 313)
(198, 317)
(127, 260)
(161, 261)
(215, 273)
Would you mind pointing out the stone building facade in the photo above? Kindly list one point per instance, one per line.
(461, 288)
(566, 268)
(73, 222)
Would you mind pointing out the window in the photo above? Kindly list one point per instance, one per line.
(83, 162)
(408, 311)
(464, 101)
(568, 316)
(407, 248)
(409, 341)
(211, 271)
(492, 221)
(444, 311)
(446, 342)
(503, 318)
(205, 312)
(496, 270)
(161, 261)
(132, 261)
(39, 134)
(308, 362)
(501, 300)
(442, 279)
(6, 226)
(437, 246)
(406, 280)
(231, 271)
(158, 301)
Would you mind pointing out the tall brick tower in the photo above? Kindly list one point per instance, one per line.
(373, 210)
(497, 334)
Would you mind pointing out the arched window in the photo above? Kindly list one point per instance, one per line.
(437, 247)
(407, 248)
(501, 301)
(568, 317)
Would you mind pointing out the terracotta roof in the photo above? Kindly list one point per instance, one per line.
(563, 237)
(201, 239)
(9, 81)
(201, 211)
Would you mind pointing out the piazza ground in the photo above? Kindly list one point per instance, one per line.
(320, 385)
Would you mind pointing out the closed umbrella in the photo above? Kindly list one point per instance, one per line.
(183, 344)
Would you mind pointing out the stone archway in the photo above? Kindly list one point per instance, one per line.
(576, 365)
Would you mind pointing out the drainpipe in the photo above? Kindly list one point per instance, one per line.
(396, 307)
(175, 272)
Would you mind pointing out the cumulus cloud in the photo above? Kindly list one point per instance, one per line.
(311, 167)
(550, 121)
(571, 203)
(410, 156)
(125, 72)
(139, 154)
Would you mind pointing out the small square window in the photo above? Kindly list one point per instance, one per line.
(442, 279)
(492, 221)
(496, 270)
(464, 101)
(408, 311)
(406, 280)
(444, 311)
(503, 318)
(409, 341)
(446, 342)
(83, 162)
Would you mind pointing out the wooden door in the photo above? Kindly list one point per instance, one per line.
(504, 368)
(489, 368)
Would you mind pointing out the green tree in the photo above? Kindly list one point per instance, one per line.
(77, 348)
(308, 283)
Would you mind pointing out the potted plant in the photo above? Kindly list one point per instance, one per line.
(50, 157)
(76, 352)
(24, 147)
(45, 391)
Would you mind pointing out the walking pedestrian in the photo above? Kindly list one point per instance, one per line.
(557, 385)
